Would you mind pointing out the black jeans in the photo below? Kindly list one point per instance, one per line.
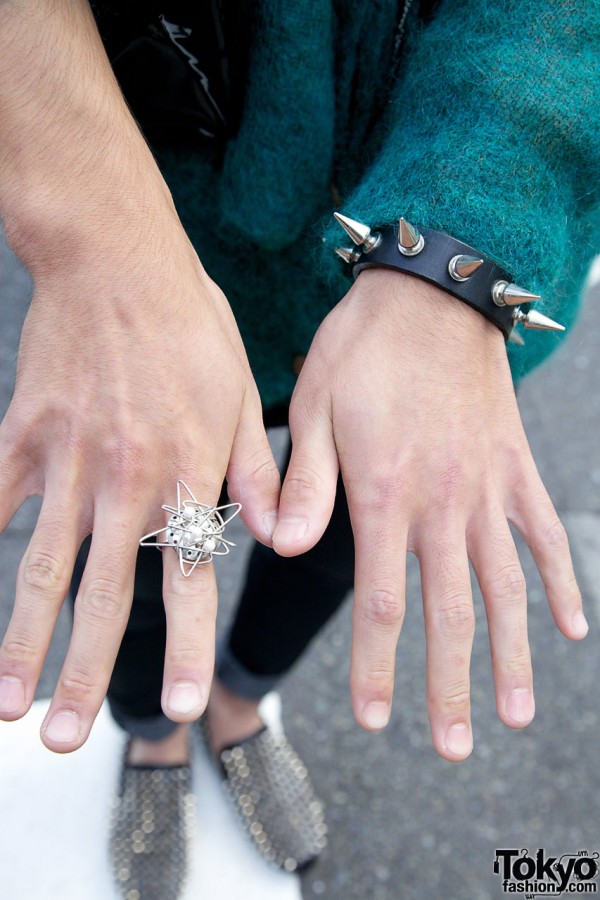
(283, 605)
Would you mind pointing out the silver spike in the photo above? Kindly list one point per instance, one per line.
(534, 319)
(410, 240)
(515, 338)
(348, 254)
(462, 267)
(358, 233)
(505, 294)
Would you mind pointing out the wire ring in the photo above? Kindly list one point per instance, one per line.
(194, 530)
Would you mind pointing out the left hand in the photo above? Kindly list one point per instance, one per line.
(408, 391)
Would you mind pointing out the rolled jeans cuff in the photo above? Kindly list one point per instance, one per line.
(149, 728)
(240, 681)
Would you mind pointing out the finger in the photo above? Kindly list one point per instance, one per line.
(252, 476)
(308, 491)
(191, 611)
(191, 608)
(101, 612)
(42, 584)
(531, 510)
(380, 538)
(449, 629)
(496, 563)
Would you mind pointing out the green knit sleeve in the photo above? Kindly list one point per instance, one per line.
(492, 134)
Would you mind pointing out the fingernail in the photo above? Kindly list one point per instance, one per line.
(376, 715)
(63, 727)
(269, 523)
(290, 530)
(520, 706)
(580, 624)
(459, 740)
(12, 694)
(184, 697)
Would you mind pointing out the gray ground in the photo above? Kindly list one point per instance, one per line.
(404, 823)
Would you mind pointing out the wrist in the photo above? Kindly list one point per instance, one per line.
(72, 160)
(65, 221)
(448, 263)
(61, 195)
(422, 311)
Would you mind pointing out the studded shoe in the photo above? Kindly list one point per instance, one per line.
(274, 799)
(150, 830)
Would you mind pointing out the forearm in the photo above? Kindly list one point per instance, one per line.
(70, 151)
(500, 150)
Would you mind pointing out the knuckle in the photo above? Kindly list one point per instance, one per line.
(555, 535)
(305, 410)
(184, 656)
(301, 484)
(453, 701)
(381, 495)
(124, 459)
(518, 665)
(77, 686)
(383, 491)
(379, 681)
(18, 653)
(509, 585)
(449, 483)
(44, 572)
(455, 614)
(16, 432)
(101, 600)
(263, 470)
(200, 587)
(516, 453)
(383, 608)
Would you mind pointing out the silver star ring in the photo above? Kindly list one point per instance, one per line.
(194, 530)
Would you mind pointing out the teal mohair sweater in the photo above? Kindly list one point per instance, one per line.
(489, 132)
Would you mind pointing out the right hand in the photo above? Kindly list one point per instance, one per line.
(424, 426)
(131, 375)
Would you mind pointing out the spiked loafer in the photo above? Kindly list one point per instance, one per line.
(274, 799)
(150, 830)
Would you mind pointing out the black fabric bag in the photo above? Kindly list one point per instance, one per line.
(181, 65)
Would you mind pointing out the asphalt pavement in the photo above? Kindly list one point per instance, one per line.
(405, 824)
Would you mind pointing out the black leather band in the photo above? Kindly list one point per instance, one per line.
(431, 264)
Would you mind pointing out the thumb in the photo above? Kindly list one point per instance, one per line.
(252, 475)
(308, 491)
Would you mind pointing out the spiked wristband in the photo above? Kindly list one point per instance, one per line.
(448, 263)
